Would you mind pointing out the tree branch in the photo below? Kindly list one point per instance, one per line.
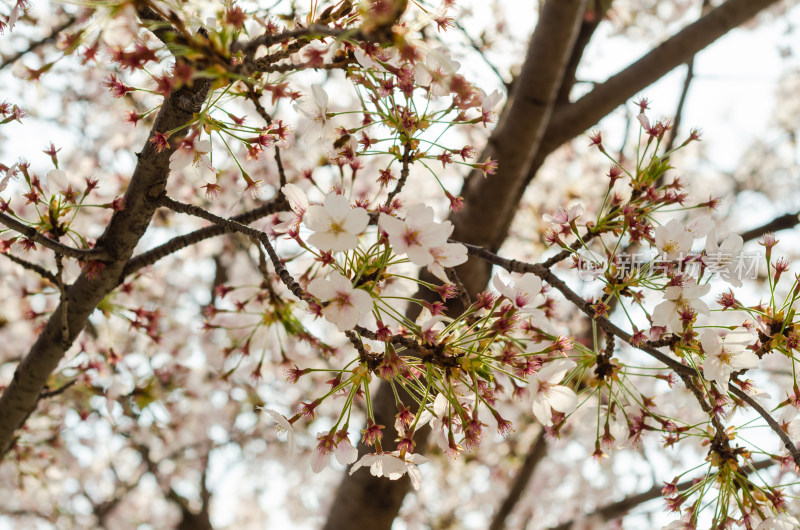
(180, 242)
(230, 225)
(774, 425)
(618, 509)
(685, 372)
(59, 248)
(518, 135)
(571, 120)
(784, 222)
(364, 501)
(11, 59)
(117, 244)
(535, 455)
(38, 269)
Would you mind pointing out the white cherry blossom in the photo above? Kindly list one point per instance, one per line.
(11, 174)
(724, 259)
(679, 299)
(445, 256)
(673, 240)
(435, 73)
(393, 466)
(417, 235)
(436, 421)
(548, 393)
(684, 523)
(316, 125)
(700, 226)
(783, 521)
(193, 154)
(725, 355)
(282, 425)
(336, 445)
(346, 304)
(298, 202)
(335, 224)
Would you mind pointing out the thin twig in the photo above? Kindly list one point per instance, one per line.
(59, 248)
(673, 131)
(774, 425)
(253, 97)
(403, 175)
(11, 59)
(38, 269)
(784, 222)
(233, 226)
(619, 508)
(521, 480)
(56, 391)
(180, 242)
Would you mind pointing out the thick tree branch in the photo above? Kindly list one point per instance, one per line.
(117, 243)
(518, 135)
(571, 120)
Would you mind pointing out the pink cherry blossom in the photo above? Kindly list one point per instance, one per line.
(680, 300)
(548, 393)
(335, 224)
(417, 235)
(725, 355)
(346, 304)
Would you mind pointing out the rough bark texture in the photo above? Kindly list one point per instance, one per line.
(530, 129)
(519, 133)
(119, 239)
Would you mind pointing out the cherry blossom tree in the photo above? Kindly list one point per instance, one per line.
(265, 247)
